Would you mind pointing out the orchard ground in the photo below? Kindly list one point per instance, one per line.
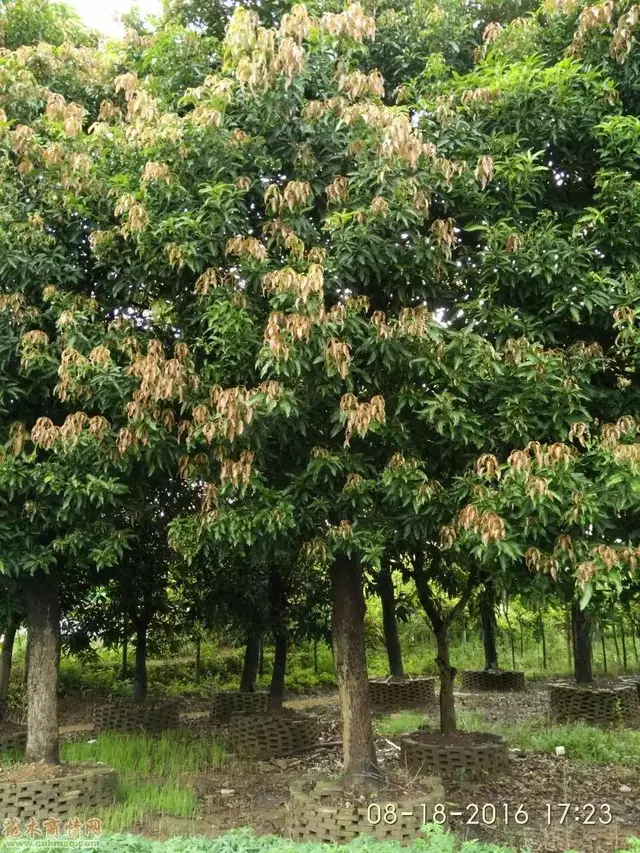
(187, 784)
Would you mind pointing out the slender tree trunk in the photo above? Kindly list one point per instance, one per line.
(348, 611)
(251, 661)
(512, 639)
(140, 671)
(604, 651)
(124, 662)
(581, 644)
(261, 658)
(390, 624)
(277, 612)
(615, 640)
(447, 675)
(521, 639)
(5, 664)
(543, 638)
(43, 625)
(276, 687)
(488, 620)
(440, 626)
(464, 630)
(635, 645)
(623, 640)
(315, 656)
(198, 657)
(567, 627)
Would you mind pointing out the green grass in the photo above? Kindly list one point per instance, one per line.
(436, 840)
(138, 801)
(171, 756)
(582, 742)
(408, 721)
(152, 773)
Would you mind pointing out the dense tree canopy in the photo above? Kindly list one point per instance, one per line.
(330, 268)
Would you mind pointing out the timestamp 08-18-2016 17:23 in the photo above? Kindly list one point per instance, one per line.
(488, 814)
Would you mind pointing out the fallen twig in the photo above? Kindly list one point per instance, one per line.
(327, 745)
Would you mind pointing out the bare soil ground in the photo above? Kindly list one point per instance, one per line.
(39, 772)
(256, 793)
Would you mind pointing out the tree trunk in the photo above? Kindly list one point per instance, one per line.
(276, 687)
(615, 641)
(315, 656)
(43, 625)
(390, 623)
(277, 614)
(512, 639)
(488, 620)
(567, 626)
(543, 637)
(5, 664)
(261, 658)
(623, 640)
(251, 661)
(140, 671)
(348, 611)
(440, 626)
(198, 657)
(635, 644)
(604, 651)
(123, 664)
(447, 675)
(581, 644)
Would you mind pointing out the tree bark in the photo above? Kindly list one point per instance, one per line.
(277, 613)
(140, 689)
(42, 603)
(5, 664)
(390, 623)
(276, 687)
(251, 661)
(488, 620)
(581, 644)
(348, 611)
(623, 640)
(447, 674)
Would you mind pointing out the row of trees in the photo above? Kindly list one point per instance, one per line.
(336, 293)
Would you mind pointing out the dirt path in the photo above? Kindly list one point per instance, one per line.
(256, 793)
